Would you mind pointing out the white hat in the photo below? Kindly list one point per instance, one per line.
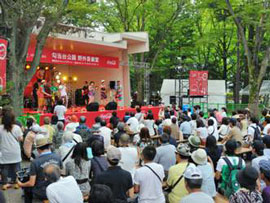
(102, 80)
(192, 172)
(199, 156)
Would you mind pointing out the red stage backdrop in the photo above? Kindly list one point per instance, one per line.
(3, 63)
(105, 115)
(59, 57)
(198, 83)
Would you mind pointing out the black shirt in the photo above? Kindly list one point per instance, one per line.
(119, 180)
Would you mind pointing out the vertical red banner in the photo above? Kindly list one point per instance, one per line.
(3, 63)
(198, 83)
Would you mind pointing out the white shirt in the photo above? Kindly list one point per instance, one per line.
(251, 130)
(150, 124)
(106, 132)
(10, 150)
(129, 159)
(266, 129)
(223, 130)
(193, 125)
(223, 114)
(208, 184)
(133, 124)
(65, 190)
(197, 197)
(233, 159)
(202, 132)
(215, 122)
(213, 131)
(167, 122)
(60, 111)
(150, 185)
(140, 117)
(63, 91)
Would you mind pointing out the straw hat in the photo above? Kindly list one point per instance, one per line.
(43, 141)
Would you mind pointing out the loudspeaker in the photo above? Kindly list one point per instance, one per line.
(112, 84)
(172, 99)
(111, 106)
(94, 106)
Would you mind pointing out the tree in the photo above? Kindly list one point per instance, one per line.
(257, 52)
(21, 20)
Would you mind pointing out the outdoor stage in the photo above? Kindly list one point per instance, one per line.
(90, 116)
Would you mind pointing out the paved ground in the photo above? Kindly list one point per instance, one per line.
(13, 196)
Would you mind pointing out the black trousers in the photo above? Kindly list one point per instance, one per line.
(29, 195)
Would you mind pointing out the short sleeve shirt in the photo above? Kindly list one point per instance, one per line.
(10, 150)
(60, 111)
(233, 159)
(150, 184)
(119, 180)
(37, 167)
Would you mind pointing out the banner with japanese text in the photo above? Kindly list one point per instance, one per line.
(76, 59)
(198, 83)
(3, 63)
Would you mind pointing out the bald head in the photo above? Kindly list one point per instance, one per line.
(52, 173)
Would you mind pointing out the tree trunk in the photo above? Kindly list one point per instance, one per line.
(237, 85)
(254, 90)
(17, 90)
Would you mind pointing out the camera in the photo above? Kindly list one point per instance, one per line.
(23, 175)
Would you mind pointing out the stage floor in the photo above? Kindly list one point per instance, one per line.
(90, 116)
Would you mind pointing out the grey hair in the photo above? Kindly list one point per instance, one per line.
(121, 126)
(52, 173)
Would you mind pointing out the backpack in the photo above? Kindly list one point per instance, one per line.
(257, 133)
(229, 183)
(84, 133)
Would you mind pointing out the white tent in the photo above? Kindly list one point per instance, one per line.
(265, 89)
(216, 91)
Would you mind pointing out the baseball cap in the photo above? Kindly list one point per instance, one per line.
(265, 165)
(265, 168)
(192, 172)
(113, 153)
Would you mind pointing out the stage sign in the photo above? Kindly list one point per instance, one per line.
(3, 63)
(76, 59)
(198, 83)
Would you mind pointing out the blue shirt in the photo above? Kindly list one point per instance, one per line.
(185, 128)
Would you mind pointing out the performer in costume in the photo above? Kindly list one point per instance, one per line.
(54, 91)
(91, 92)
(103, 93)
(41, 96)
(119, 93)
(63, 93)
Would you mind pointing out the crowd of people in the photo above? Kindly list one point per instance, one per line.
(181, 156)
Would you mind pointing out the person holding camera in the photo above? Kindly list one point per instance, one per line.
(37, 184)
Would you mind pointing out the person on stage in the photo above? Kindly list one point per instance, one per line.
(91, 92)
(41, 96)
(119, 93)
(103, 93)
(63, 94)
(85, 93)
